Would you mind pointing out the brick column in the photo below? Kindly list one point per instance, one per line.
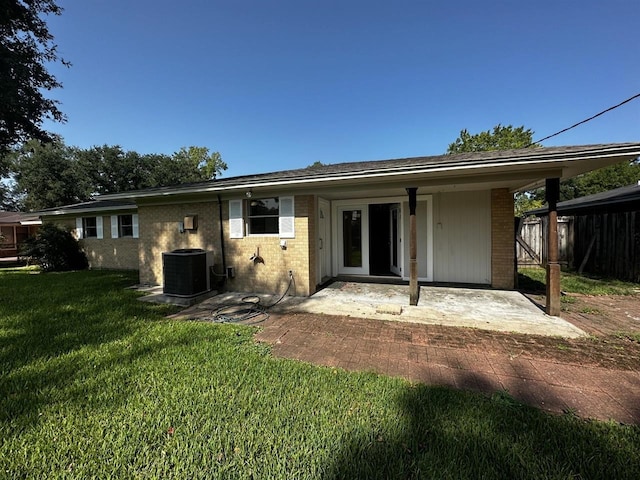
(502, 239)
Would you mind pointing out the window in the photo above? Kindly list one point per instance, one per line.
(89, 227)
(6, 237)
(125, 225)
(263, 216)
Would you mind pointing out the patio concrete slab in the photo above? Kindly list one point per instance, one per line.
(499, 310)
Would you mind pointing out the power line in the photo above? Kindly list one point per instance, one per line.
(588, 119)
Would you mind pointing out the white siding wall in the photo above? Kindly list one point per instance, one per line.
(462, 237)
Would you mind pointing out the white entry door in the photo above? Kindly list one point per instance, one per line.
(353, 243)
(395, 244)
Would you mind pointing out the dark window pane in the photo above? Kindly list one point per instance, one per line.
(263, 206)
(262, 225)
(90, 227)
(125, 225)
(352, 238)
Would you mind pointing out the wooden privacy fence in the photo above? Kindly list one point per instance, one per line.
(531, 243)
(608, 244)
(603, 244)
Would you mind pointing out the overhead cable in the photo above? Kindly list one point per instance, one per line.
(588, 119)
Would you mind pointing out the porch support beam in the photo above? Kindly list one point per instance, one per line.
(552, 191)
(414, 291)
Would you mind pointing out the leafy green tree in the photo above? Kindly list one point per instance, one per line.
(26, 48)
(602, 180)
(198, 164)
(500, 138)
(47, 175)
(110, 169)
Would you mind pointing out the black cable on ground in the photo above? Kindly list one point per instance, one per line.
(248, 311)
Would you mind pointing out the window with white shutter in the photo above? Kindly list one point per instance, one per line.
(114, 226)
(236, 220)
(286, 221)
(79, 229)
(99, 228)
(136, 229)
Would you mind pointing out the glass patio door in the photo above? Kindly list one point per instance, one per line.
(353, 235)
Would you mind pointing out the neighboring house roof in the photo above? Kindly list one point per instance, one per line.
(19, 218)
(620, 199)
(90, 206)
(516, 169)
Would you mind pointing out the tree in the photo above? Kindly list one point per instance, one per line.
(47, 175)
(52, 174)
(198, 164)
(110, 169)
(26, 46)
(501, 138)
(608, 178)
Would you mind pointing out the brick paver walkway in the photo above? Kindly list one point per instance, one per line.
(413, 351)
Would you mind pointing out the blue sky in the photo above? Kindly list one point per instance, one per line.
(275, 85)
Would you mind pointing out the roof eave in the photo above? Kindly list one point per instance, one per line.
(613, 153)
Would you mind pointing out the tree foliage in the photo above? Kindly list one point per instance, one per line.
(26, 47)
(54, 249)
(52, 174)
(500, 138)
(48, 175)
(198, 164)
(602, 180)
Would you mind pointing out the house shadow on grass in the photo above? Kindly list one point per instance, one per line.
(444, 433)
(527, 284)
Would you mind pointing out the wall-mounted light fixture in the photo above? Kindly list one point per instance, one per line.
(249, 193)
(190, 222)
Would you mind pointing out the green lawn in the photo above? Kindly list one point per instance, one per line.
(534, 279)
(94, 384)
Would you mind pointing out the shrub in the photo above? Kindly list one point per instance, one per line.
(55, 250)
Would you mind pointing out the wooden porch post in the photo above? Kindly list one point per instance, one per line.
(414, 291)
(552, 190)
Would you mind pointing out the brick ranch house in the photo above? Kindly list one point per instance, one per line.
(446, 218)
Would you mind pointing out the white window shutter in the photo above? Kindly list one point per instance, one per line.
(114, 226)
(236, 220)
(99, 230)
(287, 217)
(136, 228)
(79, 231)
